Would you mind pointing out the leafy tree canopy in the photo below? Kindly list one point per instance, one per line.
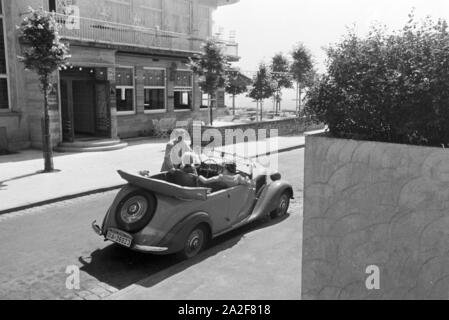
(46, 53)
(263, 85)
(280, 68)
(387, 87)
(237, 84)
(211, 68)
(302, 65)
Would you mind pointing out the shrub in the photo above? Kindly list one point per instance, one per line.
(387, 87)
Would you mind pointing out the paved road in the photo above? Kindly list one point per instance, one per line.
(37, 245)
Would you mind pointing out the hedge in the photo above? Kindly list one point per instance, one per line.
(387, 87)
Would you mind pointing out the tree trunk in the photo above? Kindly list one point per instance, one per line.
(47, 148)
(275, 106)
(257, 110)
(233, 104)
(299, 100)
(278, 106)
(261, 111)
(211, 109)
(279, 101)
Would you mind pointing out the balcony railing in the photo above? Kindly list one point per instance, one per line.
(101, 31)
(232, 49)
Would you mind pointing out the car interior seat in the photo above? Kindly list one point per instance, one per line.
(182, 179)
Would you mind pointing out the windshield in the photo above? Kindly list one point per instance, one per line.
(244, 165)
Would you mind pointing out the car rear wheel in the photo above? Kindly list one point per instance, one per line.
(195, 243)
(283, 206)
(135, 211)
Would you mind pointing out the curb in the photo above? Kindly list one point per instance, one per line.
(107, 189)
(60, 199)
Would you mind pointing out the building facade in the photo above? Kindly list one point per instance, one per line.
(128, 69)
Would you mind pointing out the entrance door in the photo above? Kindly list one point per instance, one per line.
(68, 133)
(103, 111)
(84, 106)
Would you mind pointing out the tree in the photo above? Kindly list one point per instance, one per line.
(237, 85)
(302, 71)
(390, 87)
(210, 67)
(45, 55)
(280, 69)
(263, 87)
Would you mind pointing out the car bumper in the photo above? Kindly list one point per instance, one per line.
(135, 247)
(149, 249)
(97, 228)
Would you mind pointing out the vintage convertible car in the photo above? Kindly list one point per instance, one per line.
(172, 213)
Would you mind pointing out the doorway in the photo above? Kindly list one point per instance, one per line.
(83, 107)
(85, 104)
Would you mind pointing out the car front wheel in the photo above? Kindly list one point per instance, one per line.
(283, 206)
(195, 243)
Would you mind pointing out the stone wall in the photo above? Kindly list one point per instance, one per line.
(13, 132)
(375, 204)
(22, 123)
(142, 124)
(285, 127)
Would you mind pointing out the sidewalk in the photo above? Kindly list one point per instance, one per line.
(21, 186)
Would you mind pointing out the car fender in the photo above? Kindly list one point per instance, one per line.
(174, 240)
(268, 200)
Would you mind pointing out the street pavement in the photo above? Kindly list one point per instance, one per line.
(21, 184)
(260, 261)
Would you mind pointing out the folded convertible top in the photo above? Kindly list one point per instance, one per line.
(165, 188)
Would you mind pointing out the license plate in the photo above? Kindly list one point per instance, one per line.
(119, 237)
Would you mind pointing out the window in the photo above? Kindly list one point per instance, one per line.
(205, 19)
(183, 90)
(125, 90)
(154, 90)
(52, 5)
(119, 11)
(179, 19)
(4, 96)
(150, 13)
(205, 100)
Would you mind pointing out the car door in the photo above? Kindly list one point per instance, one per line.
(217, 206)
(241, 201)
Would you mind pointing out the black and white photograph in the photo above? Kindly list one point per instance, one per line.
(244, 152)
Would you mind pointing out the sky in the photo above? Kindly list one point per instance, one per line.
(267, 27)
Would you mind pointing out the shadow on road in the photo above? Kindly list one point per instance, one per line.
(21, 177)
(27, 155)
(120, 267)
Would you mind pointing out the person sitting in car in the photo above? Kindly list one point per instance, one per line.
(188, 163)
(228, 179)
(174, 151)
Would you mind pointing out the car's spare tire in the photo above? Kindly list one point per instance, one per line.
(135, 211)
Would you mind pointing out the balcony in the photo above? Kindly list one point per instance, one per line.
(112, 33)
(231, 49)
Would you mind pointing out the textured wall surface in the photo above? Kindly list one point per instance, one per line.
(369, 203)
